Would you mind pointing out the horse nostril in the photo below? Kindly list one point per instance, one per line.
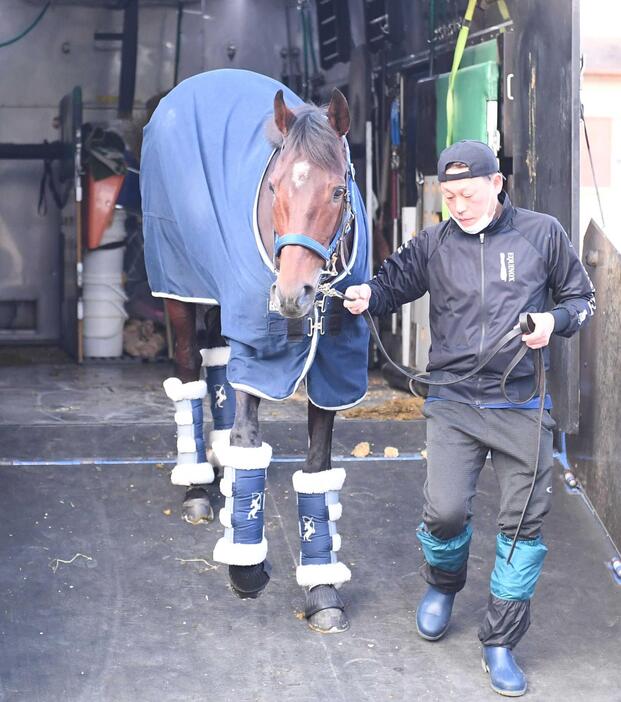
(306, 295)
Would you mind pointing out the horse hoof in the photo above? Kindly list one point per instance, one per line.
(196, 506)
(248, 582)
(329, 621)
(325, 611)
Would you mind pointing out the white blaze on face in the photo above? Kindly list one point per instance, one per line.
(299, 174)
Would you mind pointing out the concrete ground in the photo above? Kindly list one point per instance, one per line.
(109, 596)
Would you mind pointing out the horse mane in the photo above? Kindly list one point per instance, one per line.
(311, 136)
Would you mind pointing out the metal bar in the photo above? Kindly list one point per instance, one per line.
(33, 152)
(423, 56)
(574, 219)
(369, 191)
(108, 36)
(129, 51)
(79, 236)
(178, 42)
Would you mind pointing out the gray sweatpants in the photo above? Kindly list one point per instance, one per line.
(459, 437)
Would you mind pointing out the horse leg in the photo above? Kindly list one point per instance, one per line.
(221, 393)
(317, 486)
(243, 547)
(187, 392)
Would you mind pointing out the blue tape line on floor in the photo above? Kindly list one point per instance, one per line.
(170, 461)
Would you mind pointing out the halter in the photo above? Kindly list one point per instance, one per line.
(331, 252)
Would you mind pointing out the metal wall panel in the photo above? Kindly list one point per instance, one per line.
(595, 452)
(60, 53)
(37, 71)
(544, 117)
(256, 30)
(29, 243)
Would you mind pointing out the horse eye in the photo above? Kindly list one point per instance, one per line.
(271, 188)
(338, 193)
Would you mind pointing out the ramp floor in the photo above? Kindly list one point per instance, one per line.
(109, 596)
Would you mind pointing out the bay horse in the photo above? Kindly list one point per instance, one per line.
(249, 205)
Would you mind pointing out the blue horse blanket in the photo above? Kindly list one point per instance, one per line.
(204, 155)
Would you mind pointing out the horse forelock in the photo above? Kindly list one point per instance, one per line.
(311, 137)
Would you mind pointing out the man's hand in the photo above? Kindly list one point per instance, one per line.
(544, 326)
(359, 298)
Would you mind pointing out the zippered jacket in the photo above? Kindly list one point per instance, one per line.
(478, 285)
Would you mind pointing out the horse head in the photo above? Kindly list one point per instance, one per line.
(310, 196)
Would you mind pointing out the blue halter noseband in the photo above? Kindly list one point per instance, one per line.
(344, 226)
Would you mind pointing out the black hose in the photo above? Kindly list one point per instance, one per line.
(28, 29)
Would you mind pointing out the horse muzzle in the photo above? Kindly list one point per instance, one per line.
(292, 304)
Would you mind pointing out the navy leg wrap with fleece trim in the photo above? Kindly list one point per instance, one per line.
(221, 397)
(243, 486)
(318, 510)
(192, 467)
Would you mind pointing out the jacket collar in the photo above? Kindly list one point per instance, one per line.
(504, 218)
(498, 224)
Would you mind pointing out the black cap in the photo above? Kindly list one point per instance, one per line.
(477, 156)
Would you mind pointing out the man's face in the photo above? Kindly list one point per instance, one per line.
(469, 199)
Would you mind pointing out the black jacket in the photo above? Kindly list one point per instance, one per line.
(478, 285)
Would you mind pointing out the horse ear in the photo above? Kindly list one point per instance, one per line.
(338, 113)
(283, 116)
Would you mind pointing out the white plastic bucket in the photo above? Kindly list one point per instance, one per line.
(104, 347)
(108, 262)
(116, 230)
(103, 328)
(103, 294)
(102, 288)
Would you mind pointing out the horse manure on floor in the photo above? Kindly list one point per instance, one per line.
(391, 452)
(400, 409)
(361, 450)
(364, 449)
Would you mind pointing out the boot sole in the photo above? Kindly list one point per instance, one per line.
(430, 638)
(504, 693)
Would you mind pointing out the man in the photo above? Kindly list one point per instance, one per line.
(483, 267)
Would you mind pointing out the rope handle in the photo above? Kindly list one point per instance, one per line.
(526, 325)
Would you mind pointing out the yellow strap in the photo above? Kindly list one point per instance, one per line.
(504, 10)
(460, 45)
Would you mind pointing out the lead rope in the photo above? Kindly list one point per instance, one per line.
(525, 326)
